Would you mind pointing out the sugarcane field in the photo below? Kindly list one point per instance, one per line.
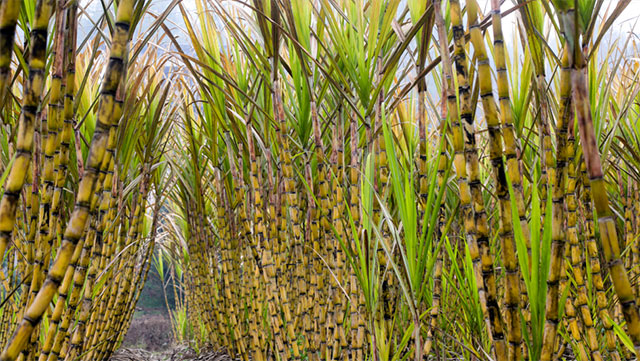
(319, 180)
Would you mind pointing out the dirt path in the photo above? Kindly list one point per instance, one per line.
(180, 353)
(150, 331)
(149, 338)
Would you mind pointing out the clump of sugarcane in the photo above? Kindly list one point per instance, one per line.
(312, 176)
(78, 220)
(33, 92)
(593, 257)
(34, 88)
(573, 33)
(357, 303)
(511, 153)
(337, 160)
(49, 172)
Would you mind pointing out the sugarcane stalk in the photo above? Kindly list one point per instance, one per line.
(511, 146)
(558, 231)
(26, 125)
(337, 161)
(466, 162)
(357, 305)
(502, 190)
(9, 11)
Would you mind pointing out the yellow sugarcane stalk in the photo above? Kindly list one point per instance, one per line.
(337, 159)
(502, 190)
(357, 305)
(26, 124)
(9, 11)
(558, 236)
(466, 159)
(511, 154)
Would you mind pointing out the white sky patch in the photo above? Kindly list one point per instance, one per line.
(623, 27)
(624, 24)
(190, 6)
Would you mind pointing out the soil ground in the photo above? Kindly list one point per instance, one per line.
(179, 353)
(149, 331)
(149, 337)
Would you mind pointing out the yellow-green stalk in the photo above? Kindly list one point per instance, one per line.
(558, 237)
(502, 190)
(9, 11)
(512, 157)
(466, 161)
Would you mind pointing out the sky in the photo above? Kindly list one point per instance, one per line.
(623, 24)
